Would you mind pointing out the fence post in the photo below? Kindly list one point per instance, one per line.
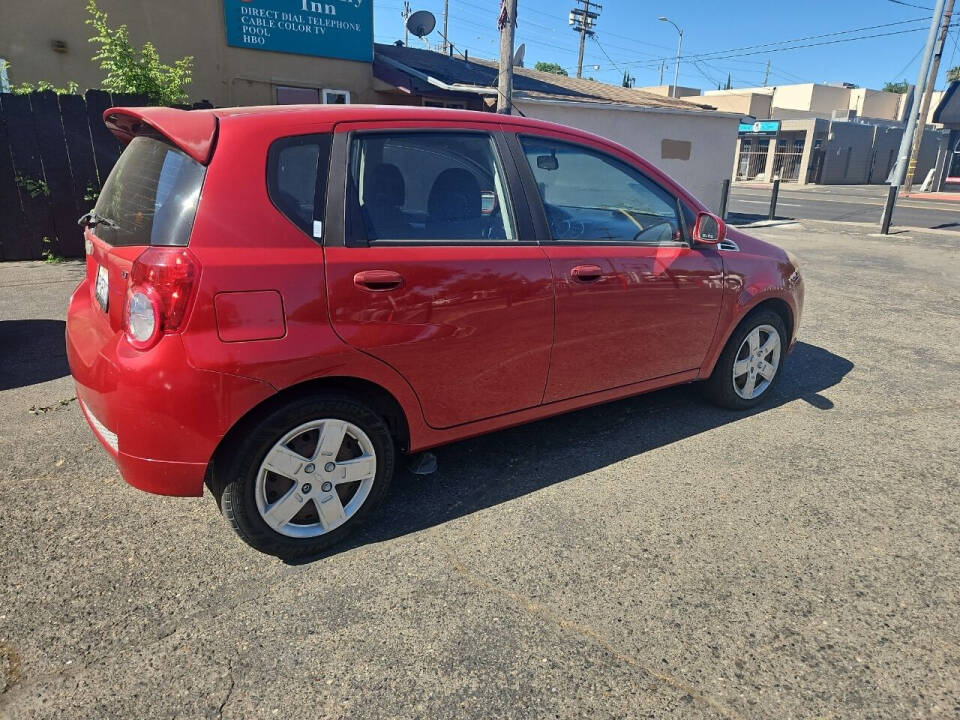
(773, 200)
(724, 196)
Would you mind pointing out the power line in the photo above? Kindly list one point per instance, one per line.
(919, 7)
(718, 54)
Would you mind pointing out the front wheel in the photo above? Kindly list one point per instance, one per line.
(749, 366)
(306, 475)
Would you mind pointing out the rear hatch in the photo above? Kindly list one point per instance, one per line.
(149, 199)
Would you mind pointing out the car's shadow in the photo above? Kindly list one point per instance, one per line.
(31, 351)
(492, 469)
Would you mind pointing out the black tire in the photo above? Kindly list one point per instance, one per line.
(235, 472)
(719, 388)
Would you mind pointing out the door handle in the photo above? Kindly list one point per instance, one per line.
(378, 280)
(586, 273)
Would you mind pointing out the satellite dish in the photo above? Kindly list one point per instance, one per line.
(518, 56)
(421, 23)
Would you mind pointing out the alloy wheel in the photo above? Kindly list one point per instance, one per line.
(757, 362)
(315, 478)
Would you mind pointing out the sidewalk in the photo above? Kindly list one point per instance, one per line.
(941, 196)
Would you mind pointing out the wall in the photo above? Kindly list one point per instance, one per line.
(746, 103)
(224, 75)
(713, 138)
(847, 140)
(875, 103)
(667, 90)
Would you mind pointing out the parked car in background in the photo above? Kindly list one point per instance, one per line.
(284, 302)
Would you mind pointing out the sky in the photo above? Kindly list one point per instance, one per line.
(629, 37)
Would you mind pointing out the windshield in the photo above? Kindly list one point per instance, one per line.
(151, 196)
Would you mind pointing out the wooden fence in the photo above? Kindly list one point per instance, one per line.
(55, 154)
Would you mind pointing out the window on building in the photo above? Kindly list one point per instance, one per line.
(436, 186)
(591, 197)
(336, 97)
(297, 96)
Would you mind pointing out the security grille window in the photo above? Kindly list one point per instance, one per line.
(295, 186)
(591, 197)
(426, 186)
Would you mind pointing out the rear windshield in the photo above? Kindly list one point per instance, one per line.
(151, 196)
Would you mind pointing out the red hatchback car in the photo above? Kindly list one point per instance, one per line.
(280, 302)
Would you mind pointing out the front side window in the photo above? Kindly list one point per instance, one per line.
(427, 186)
(590, 197)
(296, 188)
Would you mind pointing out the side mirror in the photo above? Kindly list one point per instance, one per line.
(709, 229)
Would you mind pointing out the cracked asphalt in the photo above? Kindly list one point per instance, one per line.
(652, 558)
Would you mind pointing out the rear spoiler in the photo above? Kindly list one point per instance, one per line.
(193, 131)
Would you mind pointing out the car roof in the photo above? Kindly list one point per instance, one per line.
(195, 130)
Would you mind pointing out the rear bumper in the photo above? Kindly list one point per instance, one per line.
(159, 417)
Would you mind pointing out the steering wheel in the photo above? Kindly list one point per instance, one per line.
(563, 226)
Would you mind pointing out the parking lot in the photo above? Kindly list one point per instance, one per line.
(656, 557)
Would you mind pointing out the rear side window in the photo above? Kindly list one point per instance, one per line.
(151, 195)
(427, 186)
(295, 186)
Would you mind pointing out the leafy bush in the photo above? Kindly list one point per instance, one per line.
(130, 70)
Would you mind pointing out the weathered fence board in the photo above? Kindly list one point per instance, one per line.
(13, 226)
(34, 193)
(56, 170)
(55, 154)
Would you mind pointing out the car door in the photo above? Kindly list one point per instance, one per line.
(435, 270)
(635, 299)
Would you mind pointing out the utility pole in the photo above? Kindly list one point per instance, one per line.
(766, 74)
(676, 67)
(906, 142)
(446, 13)
(507, 23)
(582, 20)
(927, 95)
(661, 72)
(405, 14)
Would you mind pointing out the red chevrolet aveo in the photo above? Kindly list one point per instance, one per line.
(282, 302)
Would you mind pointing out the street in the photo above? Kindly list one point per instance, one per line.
(842, 203)
(655, 557)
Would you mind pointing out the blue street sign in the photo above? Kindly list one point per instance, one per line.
(329, 28)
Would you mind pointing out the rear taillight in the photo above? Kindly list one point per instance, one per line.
(161, 285)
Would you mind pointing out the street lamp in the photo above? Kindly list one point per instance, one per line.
(676, 67)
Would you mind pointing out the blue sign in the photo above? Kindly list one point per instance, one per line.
(761, 127)
(329, 28)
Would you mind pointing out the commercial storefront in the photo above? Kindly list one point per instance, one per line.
(246, 52)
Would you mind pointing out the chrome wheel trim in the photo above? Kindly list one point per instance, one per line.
(308, 492)
(757, 362)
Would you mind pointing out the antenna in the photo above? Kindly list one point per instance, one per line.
(421, 24)
(518, 57)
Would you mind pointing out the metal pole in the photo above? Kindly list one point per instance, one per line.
(906, 141)
(773, 200)
(724, 196)
(446, 12)
(406, 30)
(676, 67)
(505, 79)
(661, 72)
(888, 209)
(928, 93)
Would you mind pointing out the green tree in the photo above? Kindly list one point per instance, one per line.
(729, 84)
(898, 87)
(550, 68)
(628, 79)
(953, 74)
(132, 70)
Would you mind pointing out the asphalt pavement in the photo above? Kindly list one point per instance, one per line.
(842, 203)
(655, 557)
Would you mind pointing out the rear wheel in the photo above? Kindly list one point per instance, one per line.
(749, 366)
(306, 475)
